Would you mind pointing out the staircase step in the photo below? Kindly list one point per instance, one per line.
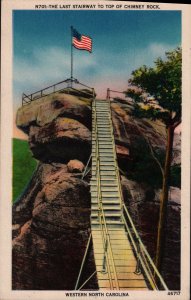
(106, 207)
(101, 139)
(103, 126)
(108, 152)
(105, 139)
(105, 147)
(106, 167)
(108, 177)
(106, 188)
(108, 159)
(110, 224)
(103, 171)
(103, 150)
(108, 172)
(103, 154)
(103, 143)
(115, 202)
(107, 214)
(102, 110)
(103, 136)
(109, 189)
(104, 181)
(104, 159)
(103, 116)
(114, 199)
(101, 121)
(110, 194)
(101, 131)
(101, 102)
(104, 132)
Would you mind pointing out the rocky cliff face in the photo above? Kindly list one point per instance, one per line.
(141, 182)
(51, 220)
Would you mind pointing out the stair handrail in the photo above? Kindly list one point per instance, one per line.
(143, 248)
(99, 193)
(138, 239)
(102, 211)
(113, 91)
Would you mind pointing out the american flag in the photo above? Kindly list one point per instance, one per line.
(81, 42)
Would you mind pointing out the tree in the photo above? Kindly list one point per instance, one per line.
(157, 95)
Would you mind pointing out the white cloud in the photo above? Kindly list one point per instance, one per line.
(159, 49)
(51, 65)
(48, 66)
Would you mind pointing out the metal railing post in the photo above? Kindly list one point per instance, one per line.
(138, 266)
(83, 261)
(108, 93)
(104, 258)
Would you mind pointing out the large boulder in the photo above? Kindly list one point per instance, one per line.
(44, 110)
(75, 165)
(60, 141)
(52, 227)
(59, 127)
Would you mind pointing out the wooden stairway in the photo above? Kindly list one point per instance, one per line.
(114, 256)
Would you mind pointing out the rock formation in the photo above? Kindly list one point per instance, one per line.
(51, 220)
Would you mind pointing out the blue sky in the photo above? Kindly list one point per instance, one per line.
(122, 42)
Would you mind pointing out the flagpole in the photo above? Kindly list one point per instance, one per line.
(71, 54)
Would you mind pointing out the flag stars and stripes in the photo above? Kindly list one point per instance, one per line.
(80, 41)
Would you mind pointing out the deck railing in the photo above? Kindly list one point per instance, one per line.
(65, 85)
(111, 93)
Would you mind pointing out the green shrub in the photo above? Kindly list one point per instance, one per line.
(23, 166)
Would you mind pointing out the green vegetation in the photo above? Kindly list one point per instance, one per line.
(23, 166)
(157, 95)
(144, 168)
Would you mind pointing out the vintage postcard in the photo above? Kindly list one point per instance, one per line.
(95, 150)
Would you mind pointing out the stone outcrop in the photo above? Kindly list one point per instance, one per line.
(52, 227)
(75, 165)
(59, 127)
(51, 220)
